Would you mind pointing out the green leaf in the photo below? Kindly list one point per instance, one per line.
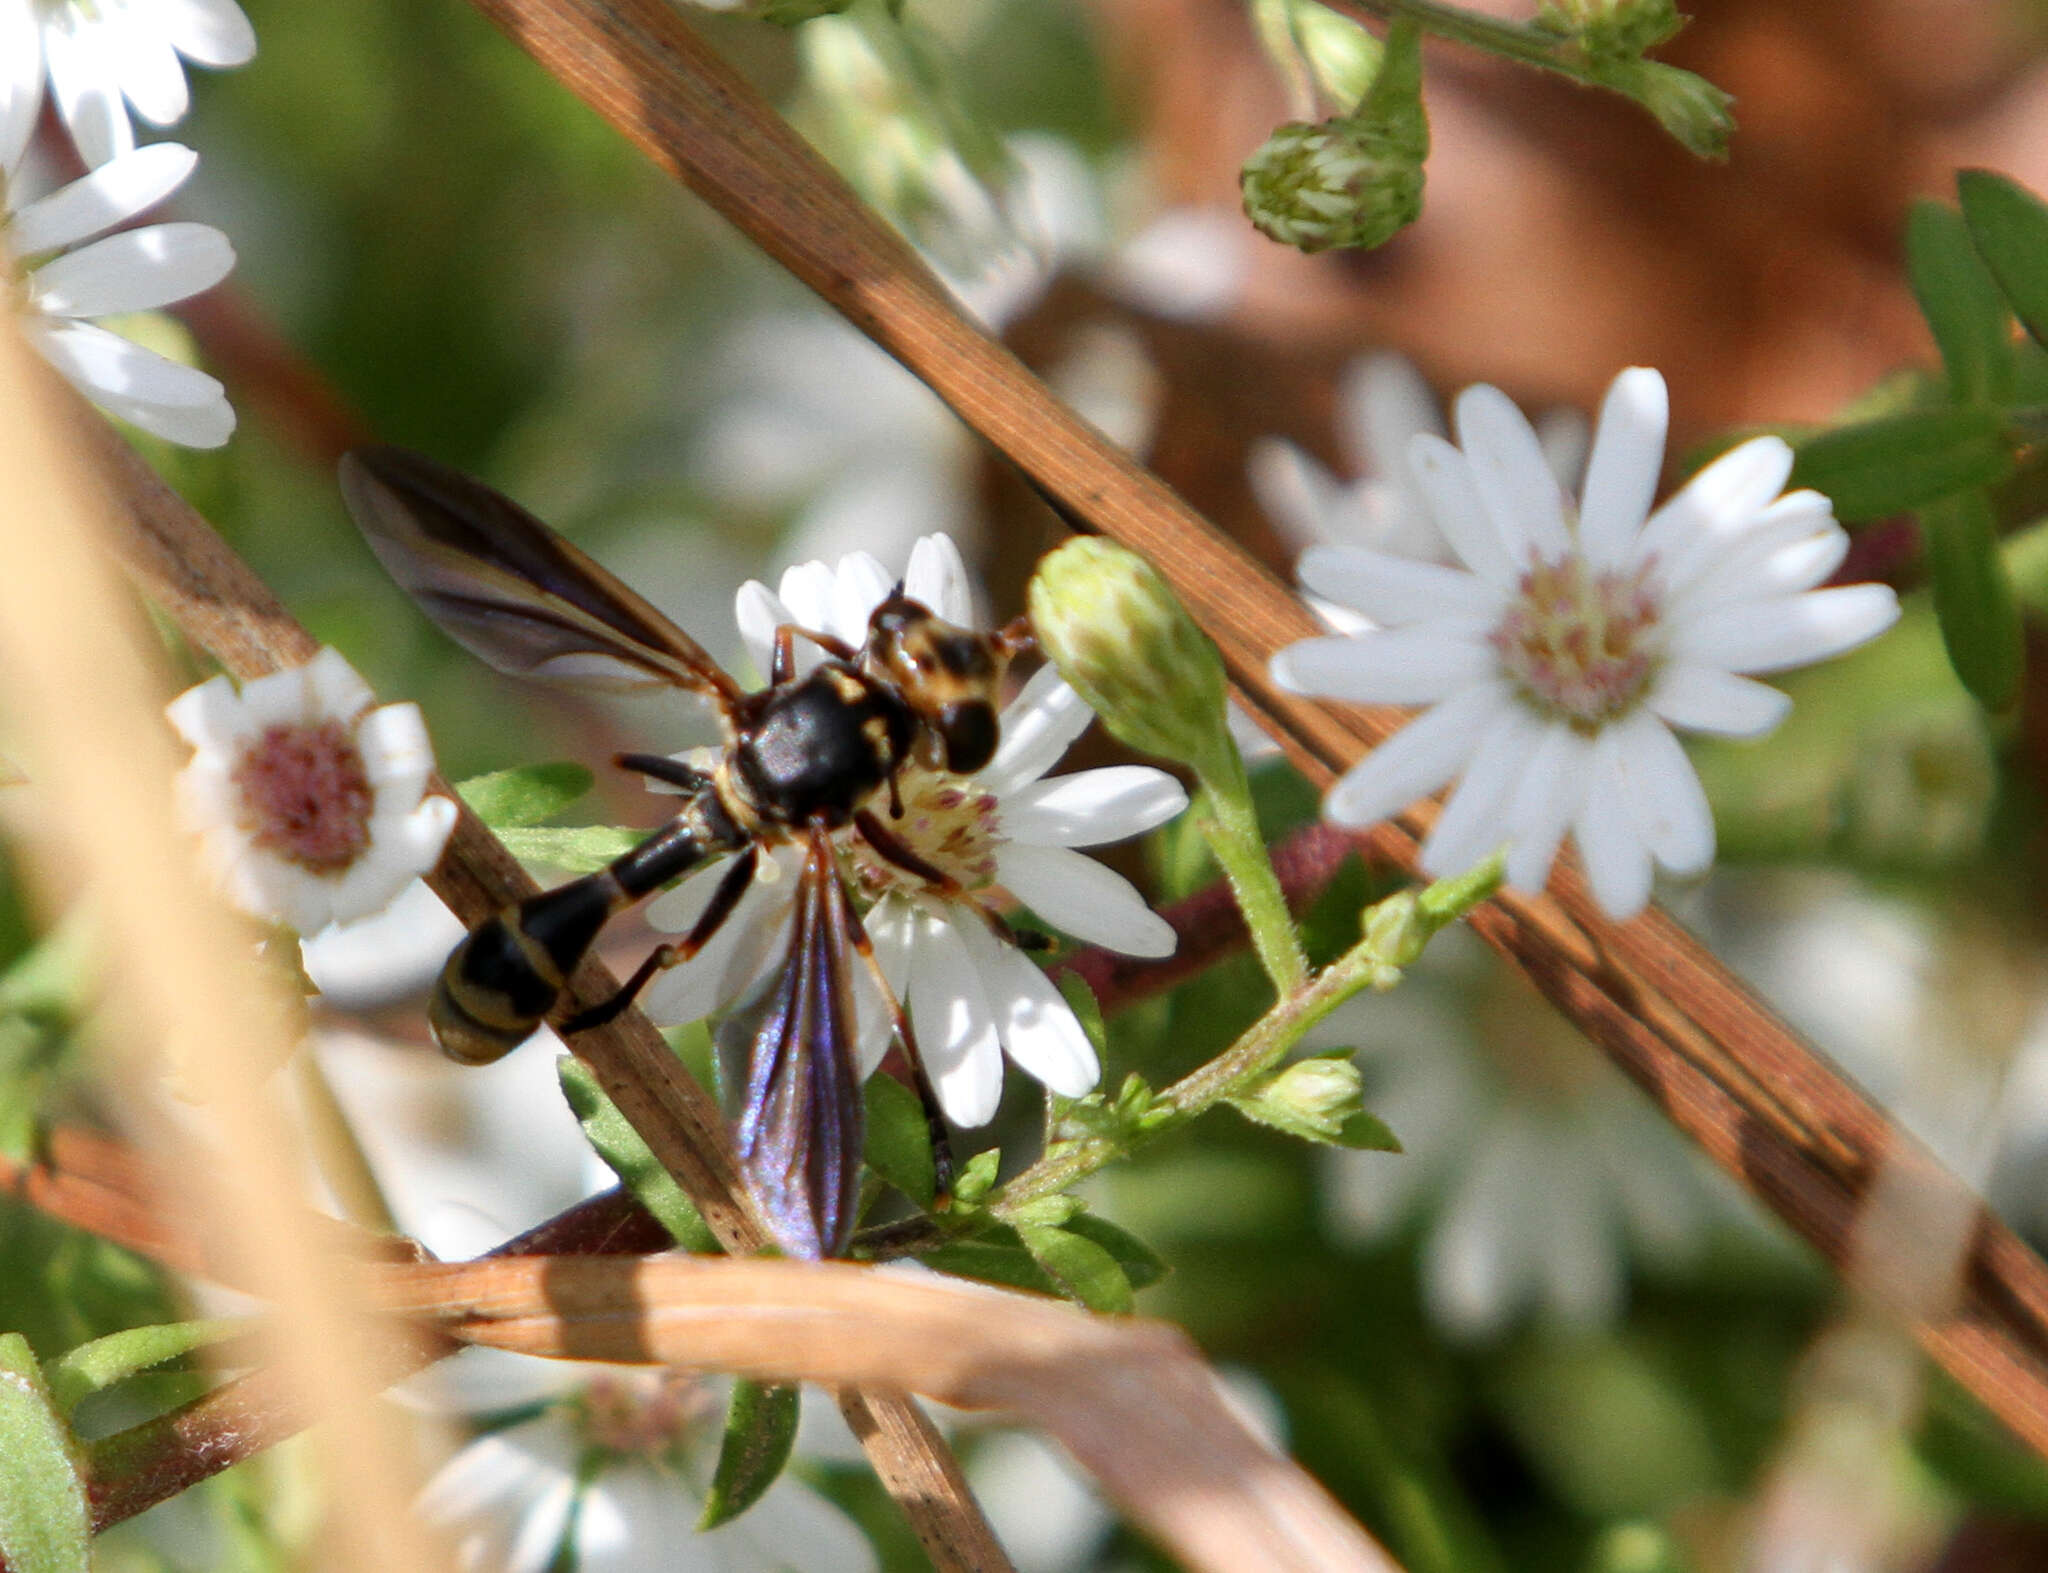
(1961, 302)
(1141, 1265)
(1904, 461)
(91, 1367)
(977, 1178)
(1973, 598)
(45, 1524)
(996, 1256)
(760, 1432)
(2010, 226)
(1081, 1269)
(574, 849)
(637, 1168)
(899, 1141)
(526, 795)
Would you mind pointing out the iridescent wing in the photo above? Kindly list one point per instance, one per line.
(800, 1128)
(510, 589)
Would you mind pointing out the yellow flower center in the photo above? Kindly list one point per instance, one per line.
(951, 822)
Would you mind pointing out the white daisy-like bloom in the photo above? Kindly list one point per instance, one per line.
(1564, 645)
(103, 57)
(68, 269)
(307, 795)
(971, 997)
(609, 1477)
(1541, 1173)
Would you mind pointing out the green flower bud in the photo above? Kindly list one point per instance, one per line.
(1315, 187)
(1611, 29)
(1320, 1100)
(1690, 107)
(1119, 635)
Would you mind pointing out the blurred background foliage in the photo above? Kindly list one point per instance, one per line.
(1544, 1338)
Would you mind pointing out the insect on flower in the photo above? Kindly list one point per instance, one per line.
(806, 756)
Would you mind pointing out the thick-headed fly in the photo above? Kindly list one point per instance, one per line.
(804, 757)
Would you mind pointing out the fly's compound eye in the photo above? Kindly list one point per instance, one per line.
(968, 729)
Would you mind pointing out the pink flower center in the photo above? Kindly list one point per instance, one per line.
(305, 795)
(642, 1415)
(949, 821)
(1580, 643)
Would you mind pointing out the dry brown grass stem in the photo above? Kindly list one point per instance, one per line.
(1715, 1059)
(87, 698)
(1131, 1400)
(219, 602)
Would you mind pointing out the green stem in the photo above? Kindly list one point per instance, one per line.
(1511, 40)
(1224, 814)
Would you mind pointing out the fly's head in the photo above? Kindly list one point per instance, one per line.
(950, 677)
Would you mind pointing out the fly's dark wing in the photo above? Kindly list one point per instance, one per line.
(510, 589)
(799, 1131)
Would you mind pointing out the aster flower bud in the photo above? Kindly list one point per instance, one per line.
(1690, 107)
(1319, 1099)
(1129, 648)
(1354, 180)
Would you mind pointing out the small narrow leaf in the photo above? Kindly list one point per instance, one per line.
(637, 1168)
(2010, 226)
(994, 1257)
(977, 1178)
(1080, 1268)
(1961, 301)
(1141, 1265)
(574, 849)
(527, 795)
(45, 1524)
(1973, 598)
(899, 1141)
(91, 1367)
(760, 1432)
(1904, 461)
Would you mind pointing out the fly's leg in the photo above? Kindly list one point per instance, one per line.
(659, 767)
(783, 667)
(732, 885)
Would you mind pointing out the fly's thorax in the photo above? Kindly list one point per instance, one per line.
(816, 747)
(950, 677)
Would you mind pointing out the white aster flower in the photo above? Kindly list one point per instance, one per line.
(1559, 652)
(70, 269)
(608, 1477)
(971, 996)
(1540, 1171)
(103, 56)
(307, 795)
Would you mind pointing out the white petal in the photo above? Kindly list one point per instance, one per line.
(759, 611)
(101, 363)
(397, 754)
(1739, 546)
(1445, 480)
(83, 84)
(1396, 591)
(1418, 759)
(637, 1519)
(1762, 570)
(1081, 897)
(1664, 794)
(1628, 455)
(746, 943)
(1382, 403)
(1514, 479)
(860, 585)
(135, 270)
(208, 424)
(1483, 1257)
(1298, 494)
(148, 69)
(956, 1031)
(1707, 699)
(891, 928)
(21, 80)
(793, 1527)
(937, 576)
(1038, 726)
(1724, 498)
(1398, 666)
(110, 195)
(1473, 822)
(1617, 862)
(1581, 1265)
(1564, 438)
(1093, 807)
(209, 717)
(1795, 630)
(1546, 799)
(335, 690)
(209, 32)
(1188, 264)
(1038, 1028)
(807, 590)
